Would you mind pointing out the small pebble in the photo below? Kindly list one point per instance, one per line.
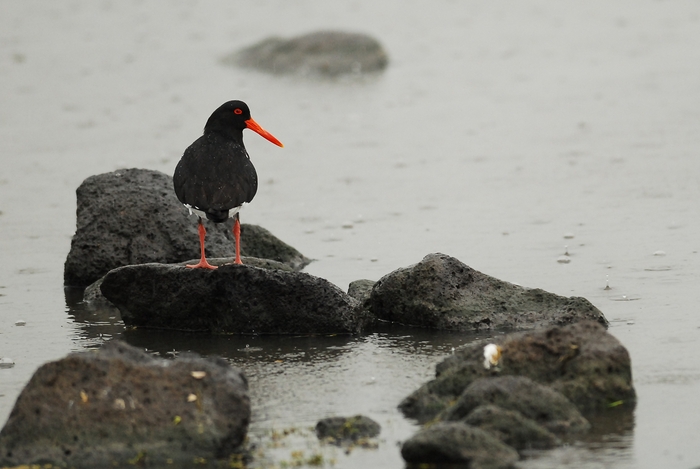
(660, 253)
(347, 225)
(20, 323)
(568, 236)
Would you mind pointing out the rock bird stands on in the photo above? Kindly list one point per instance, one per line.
(215, 177)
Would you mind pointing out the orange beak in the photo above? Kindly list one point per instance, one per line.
(255, 127)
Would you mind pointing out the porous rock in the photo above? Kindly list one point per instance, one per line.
(132, 216)
(458, 443)
(582, 361)
(535, 401)
(347, 429)
(230, 299)
(322, 53)
(511, 427)
(361, 291)
(440, 292)
(118, 405)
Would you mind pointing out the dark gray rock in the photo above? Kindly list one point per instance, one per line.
(94, 299)
(347, 429)
(323, 53)
(458, 443)
(230, 299)
(511, 427)
(440, 292)
(119, 405)
(361, 290)
(132, 216)
(581, 361)
(535, 401)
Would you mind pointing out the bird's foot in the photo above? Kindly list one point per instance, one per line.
(203, 264)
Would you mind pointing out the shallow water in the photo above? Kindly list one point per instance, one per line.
(497, 129)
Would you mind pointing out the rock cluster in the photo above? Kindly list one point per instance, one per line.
(488, 401)
(532, 398)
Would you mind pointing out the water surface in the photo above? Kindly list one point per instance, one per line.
(503, 133)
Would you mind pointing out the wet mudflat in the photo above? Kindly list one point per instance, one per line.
(502, 134)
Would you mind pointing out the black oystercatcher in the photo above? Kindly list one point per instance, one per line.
(215, 177)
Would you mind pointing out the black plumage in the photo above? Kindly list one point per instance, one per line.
(215, 176)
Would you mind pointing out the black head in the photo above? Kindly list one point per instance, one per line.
(231, 118)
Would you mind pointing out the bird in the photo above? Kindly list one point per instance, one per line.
(215, 176)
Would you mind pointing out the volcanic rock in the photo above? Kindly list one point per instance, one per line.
(440, 292)
(132, 216)
(511, 427)
(458, 443)
(581, 361)
(231, 299)
(361, 291)
(347, 429)
(535, 401)
(120, 406)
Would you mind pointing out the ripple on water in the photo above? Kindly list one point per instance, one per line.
(625, 298)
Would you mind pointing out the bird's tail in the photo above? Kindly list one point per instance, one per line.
(217, 216)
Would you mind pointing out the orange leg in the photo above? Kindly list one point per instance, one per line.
(237, 237)
(203, 264)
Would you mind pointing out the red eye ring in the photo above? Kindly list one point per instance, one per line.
(238, 111)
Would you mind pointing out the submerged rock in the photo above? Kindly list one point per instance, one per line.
(132, 216)
(230, 299)
(347, 429)
(323, 53)
(581, 361)
(120, 406)
(458, 443)
(440, 292)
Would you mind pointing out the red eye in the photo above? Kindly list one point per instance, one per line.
(238, 111)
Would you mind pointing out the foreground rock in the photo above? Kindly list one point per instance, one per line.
(132, 216)
(581, 361)
(339, 430)
(458, 443)
(440, 292)
(230, 299)
(119, 406)
(324, 53)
